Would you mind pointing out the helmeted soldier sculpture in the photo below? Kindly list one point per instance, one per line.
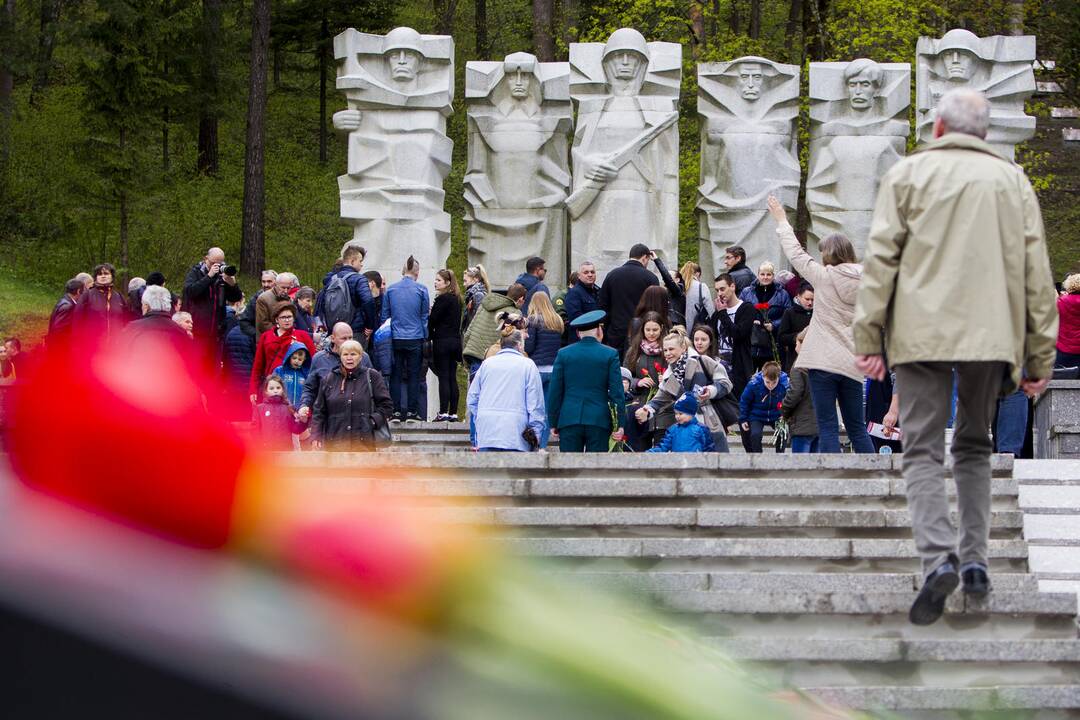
(998, 66)
(399, 89)
(858, 130)
(626, 148)
(518, 174)
(749, 150)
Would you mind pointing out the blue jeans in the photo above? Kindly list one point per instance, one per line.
(1011, 424)
(804, 443)
(408, 357)
(473, 364)
(827, 389)
(545, 380)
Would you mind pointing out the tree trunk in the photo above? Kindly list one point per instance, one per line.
(697, 26)
(123, 214)
(7, 88)
(755, 19)
(792, 30)
(50, 17)
(444, 16)
(165, 138)
(207, 159)
(1016, 17)
(252, 239)
(483, 51)
(543, 40)
(814, 29)
(324, 51)
(734, 20)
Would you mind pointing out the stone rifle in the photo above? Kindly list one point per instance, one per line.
(580, 199)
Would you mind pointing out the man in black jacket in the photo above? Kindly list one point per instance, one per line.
(734, 322)
(62, 314)
(735, 259)
(621, 291)
(796, 319)
(582, 297)
(206, 292)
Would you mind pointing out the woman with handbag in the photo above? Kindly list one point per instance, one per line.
(353, 405)
(699, 302)
(687, 372)
(770, 300)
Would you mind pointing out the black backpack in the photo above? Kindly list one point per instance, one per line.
(337, 302)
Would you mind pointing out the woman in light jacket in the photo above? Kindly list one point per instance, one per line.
(828, 352)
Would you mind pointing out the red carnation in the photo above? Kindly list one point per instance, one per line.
(779, 405)
(657, 366)
(761, 306)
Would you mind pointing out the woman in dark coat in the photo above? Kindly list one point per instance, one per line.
(765, 291)
(351, 402)
(102, 310)
(444, 329)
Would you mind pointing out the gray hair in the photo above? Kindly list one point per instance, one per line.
(84, 277)
(157, 298)
(289, 278)
(512, 340)
(135, 283)
(271, 273)
(965, 111)
(179, 316)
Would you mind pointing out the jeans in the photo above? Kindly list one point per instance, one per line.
(408, 357)
(545, 380)
(473, 364)
(751, 439)
(1011, 424)
(827, 389)
(804, 444)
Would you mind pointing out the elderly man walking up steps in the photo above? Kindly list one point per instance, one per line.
(955, 204)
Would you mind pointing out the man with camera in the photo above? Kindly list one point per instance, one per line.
(208, 287)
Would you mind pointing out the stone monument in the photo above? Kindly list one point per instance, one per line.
(858, 130)
(399, 87)
(518, 173)
(626, 149)
(999, 67)
(749, 150)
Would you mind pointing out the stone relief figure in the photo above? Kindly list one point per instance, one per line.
(626, 148)
(858, 130)
(399, 88)
(1000, 67)
(749, 150)
(518, 175)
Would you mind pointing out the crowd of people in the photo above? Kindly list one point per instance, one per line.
(334, 366)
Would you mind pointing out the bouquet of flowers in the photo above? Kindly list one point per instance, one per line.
(613, 444)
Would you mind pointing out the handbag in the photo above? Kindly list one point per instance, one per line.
(761, 338)
(701, 315)
(380, 431)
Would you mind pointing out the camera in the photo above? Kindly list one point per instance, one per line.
(229, 270)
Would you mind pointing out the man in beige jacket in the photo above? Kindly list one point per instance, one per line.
(956, 275)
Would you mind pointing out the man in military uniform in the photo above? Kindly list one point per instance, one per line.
(585, 380)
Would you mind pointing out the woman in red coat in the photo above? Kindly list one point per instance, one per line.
(1068, 342)
(273, 346)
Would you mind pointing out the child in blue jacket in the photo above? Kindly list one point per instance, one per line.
(687, 434)
(293, 372)
(761, 403)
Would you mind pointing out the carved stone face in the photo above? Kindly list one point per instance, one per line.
(624, 65)
(861, 91)
(403, 64)
(519, 84)
(750, 78)
(959, 64)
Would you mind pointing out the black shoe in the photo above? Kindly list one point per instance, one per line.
(930, 603)
(397, 417)
(976, 583)
(413, 418)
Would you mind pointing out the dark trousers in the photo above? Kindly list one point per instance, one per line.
(445, 355)
(827, 389)
(408, 356)
(1064, 359)
(751, 439)
(583, 438)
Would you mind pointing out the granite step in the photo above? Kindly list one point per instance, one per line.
(906, 699)
(893, 650)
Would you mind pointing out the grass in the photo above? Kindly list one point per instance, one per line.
(25, 310)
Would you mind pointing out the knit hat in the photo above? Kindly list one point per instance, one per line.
(686, 404)
(627, 375)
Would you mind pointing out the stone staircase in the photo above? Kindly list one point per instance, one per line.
(803, 565)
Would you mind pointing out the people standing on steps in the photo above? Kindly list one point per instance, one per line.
(407, 306)
(798, 408)
(954, 206)
(582, 297)
(350, 266)
(323, 364)
(646, 364)
(765, 293)
(483, 330)
(352, 401)
(586, 390)
(828, 349)
(699, 305)
(796, 319)
(621, 292)
(444, 329)
(735, 262)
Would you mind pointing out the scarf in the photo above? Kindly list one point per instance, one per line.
(764, 293)
(650, 348)
(678, 368)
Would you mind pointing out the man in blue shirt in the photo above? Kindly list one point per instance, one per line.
(533, 280)
(406, 304)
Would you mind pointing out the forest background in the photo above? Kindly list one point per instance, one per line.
(141, 132)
